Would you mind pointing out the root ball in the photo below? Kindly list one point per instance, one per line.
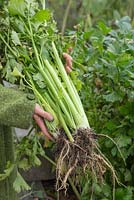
(77, 158)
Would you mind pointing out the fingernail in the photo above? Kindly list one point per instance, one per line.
(51, 118)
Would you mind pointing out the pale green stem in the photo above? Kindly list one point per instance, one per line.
(68, 133)
(56, 96)
(46, 105)
(66, 79)
(84, 121)
(75, 114)
(54, 106)
(49, 99)
(52, 79)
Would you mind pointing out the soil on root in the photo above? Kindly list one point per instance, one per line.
(77, 158)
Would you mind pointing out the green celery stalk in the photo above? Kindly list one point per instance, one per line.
(69, 102)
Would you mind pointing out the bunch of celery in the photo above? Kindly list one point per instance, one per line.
(61, 97)
(27, 37)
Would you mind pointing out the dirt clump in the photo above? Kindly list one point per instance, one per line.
(74, 159)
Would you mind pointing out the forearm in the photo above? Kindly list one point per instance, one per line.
(15, 108)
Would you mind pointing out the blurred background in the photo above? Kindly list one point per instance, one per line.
(71, 12)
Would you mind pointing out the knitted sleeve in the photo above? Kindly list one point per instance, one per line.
(15, 108)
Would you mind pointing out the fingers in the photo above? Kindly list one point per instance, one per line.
(68, 59)
(38, 116)
(68, 69)
(68, 64)
(39, 121)
(40, 112)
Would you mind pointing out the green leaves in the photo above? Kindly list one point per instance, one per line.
(28, 151)
(124, 194)
(42, 15)
(17, 7)
(7, 171)
(39, 80)
(24, 164)
(113, 97)
(15, 38)
(127, 110)
(124, 141)
(20, 184)
(128, 175)
(124, 24)
(105, 29)
(17, 73)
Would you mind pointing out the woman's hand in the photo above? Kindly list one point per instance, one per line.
(68, 63)
(39, 116)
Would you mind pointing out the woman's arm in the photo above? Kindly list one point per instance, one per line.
(15, 108)
(19, 111)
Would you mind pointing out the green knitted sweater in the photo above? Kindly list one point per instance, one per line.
(16, 110)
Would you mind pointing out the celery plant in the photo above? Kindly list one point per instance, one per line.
(60, 96)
